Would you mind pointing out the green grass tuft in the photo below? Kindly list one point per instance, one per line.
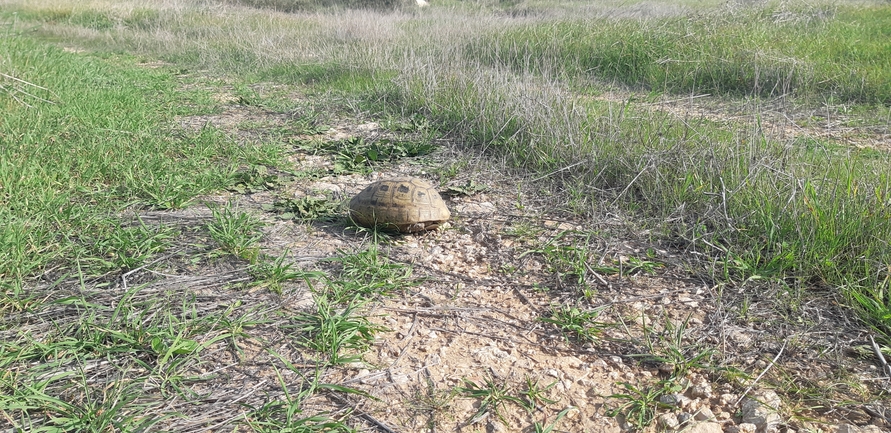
(817, 51)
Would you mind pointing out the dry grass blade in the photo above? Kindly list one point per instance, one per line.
(13, 90)
(886, 368)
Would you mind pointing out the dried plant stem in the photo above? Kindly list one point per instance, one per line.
(772, 362)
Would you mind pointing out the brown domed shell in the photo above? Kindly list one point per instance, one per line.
(405, 204)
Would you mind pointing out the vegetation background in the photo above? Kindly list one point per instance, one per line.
(775, 177)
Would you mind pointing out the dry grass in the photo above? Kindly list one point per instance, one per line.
(763, 216)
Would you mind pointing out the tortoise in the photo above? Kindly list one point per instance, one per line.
(404, 204)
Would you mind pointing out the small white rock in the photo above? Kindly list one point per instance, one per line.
(727, 399)
(747, 428)
(701, 390)
(704, 414)
(668, 421)
(706, 427)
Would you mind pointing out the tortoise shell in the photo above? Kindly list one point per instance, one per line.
(407, 205)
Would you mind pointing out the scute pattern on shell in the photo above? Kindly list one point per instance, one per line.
(404, 204)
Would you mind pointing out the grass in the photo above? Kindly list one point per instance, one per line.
(730, 50)
(274, 272)
(493, 396)
(341, 335)
(88, 144)
(536, 396)
(639, 404)
(288, 413)
(237, 232)
(368, 273)
(762, 206)
(99, 152)
(575, 324)
(154, 345)
(88, 139)
(670, 349)
(548, 428)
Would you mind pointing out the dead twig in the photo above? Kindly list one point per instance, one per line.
(775, 358)
(382, 426)
(885, 367)
(27, 83)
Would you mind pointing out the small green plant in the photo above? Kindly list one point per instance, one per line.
(576, 324)
(236, 232)
(570, 262)
(416, 123)
(469, 188)
(306, 208)
(634, 265)
(233, 324)
(356, 155)
(744, 306)
(524, 230)
(535, 395)
(112, 408)
(450, 170)
(640, 403)
(875, 302)
(367, 274)
(271, 274)
(286, 414)
(508, 269)
(518, 203)
(257, 178)
(432, 402)
(125, 248)
(331, 332)
(669, 348)
(540, 428)
(493, 396)
(309, 122)
(162, 189)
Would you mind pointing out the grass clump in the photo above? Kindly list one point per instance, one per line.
(307, 208)
(89, 150)
(273, 272)
(740, 51)
(639, 405)
(577, 325)
(356, 155)
(799, 212)
(84, 138)
(493, 396)
(287, 414)
(340, 335)
(98, 366)
(314, 5)
(237, 232)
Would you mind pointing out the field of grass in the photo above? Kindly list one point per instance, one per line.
(88, 139)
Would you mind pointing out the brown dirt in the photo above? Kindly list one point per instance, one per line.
(476, 316)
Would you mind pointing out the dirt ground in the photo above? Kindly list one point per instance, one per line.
(475, 318)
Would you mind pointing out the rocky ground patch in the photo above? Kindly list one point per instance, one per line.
(517, 317)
